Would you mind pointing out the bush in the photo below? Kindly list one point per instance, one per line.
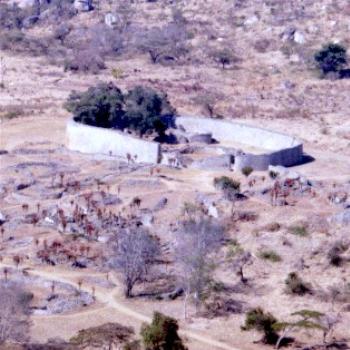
(11, 17)
(223, 57)
(295, 285)
(270, 255)
(262, 322)
(247, 170)
(298, 230)
(85, 61)
(102, 336)
(335, 253)
(226, 183)
(273, 227)
(162, 334)
(141, 109)
(331, 58)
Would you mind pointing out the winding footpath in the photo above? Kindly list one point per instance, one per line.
(108, 299)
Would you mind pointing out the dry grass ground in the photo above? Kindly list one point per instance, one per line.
(255, 92)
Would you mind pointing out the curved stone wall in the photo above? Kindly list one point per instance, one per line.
(277, 148)
(91, 139)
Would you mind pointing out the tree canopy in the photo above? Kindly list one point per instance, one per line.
(140, 109)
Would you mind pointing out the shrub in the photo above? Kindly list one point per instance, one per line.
(298, 230)
(117, 73)
(295, 285)
(13, 113)
(226, 183)
(102, 336)
(162, 334)
(11, 17)
(270, 255)
(61, 31)
(223, 57)
(233, 249)
(273, 227)
(335, 253)
(262, 322)
(85, 61)
(331, 58)
(247, 170)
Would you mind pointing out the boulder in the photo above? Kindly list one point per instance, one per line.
(2, 218)
(251, 20)
(25, 3)
(299, 38)
(83, 5)
(161, 204)
(147, 219)
(213, 211)
(110, 20)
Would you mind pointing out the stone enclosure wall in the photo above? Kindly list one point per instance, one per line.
(277, 148)
(91, 139)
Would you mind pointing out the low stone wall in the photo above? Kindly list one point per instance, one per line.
(95, 140)
(277, 148)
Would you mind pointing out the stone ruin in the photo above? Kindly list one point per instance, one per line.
(196, 142)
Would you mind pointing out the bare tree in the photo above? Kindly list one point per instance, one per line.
(167, 42)
(134, 252)
(14, 312)
(195, 241)
(242, 259)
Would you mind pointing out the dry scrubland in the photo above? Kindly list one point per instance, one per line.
(272, 83)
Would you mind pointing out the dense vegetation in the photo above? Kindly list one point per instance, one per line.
(140, 109)
(331, 58)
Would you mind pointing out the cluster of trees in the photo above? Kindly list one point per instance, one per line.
(141, 109)
(160, 334)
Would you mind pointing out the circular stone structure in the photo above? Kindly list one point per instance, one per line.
(256, 147)
(247, 145)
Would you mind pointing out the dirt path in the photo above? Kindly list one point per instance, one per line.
(108, 298)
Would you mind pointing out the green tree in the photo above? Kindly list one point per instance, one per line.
(102, 106)
(162, 334)
(262, 322)
(331, 58)
(144, 109)
(308, 320)
(223, 57)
